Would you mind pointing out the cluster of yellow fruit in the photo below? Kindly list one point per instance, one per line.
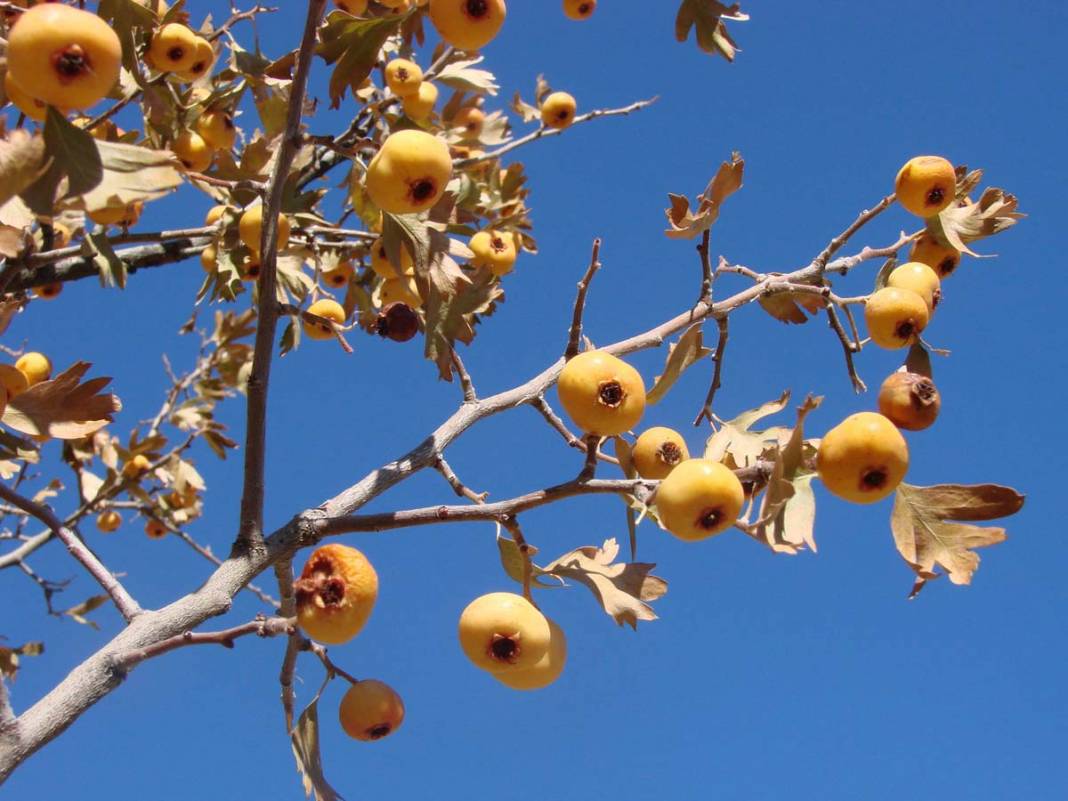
(466, 24)
(29, 369)
(335, 595)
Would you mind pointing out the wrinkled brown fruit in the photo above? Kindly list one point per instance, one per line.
(910, 401)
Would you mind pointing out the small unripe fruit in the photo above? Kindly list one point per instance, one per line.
(203, 59)
(926, 185)
(403, 77)
(558, 110)
(546, 670)
(409, 172)
(470, 120)
(35, 366)
(370, 710)
(250, 228)
(863, 458)
(217, 129)
(340, 276)
(921, 279)
(909, 400)
(603, 395)
(502, 631)
(895, 317)
(579, 9)
(942, 258)
(136, 466)
(108, 522)
(400, 290)
(215, 213)
(335, 594)
(397, 321)
(419, 105)
(209, 259)
(173, 48)
(495, 250)
(384, 268)
(467, 24)
(63, 56)
(13, 380)
(155, 529)
(698, 499)
(329, 310)
(195, 154)
(657, 452)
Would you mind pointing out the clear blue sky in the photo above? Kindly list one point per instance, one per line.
(767, 676)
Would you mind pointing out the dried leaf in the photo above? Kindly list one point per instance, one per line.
(681, 355)
(305, 741)
(959, 225)
(131, 173)
(790, 307)
(512, 562)
(685, 224)
(22, 161)
(9, 657)
(78, 613)
(462, 76)
(352, 45)
(64, 407)
(734, 438)
(711, 32)
(927, 536)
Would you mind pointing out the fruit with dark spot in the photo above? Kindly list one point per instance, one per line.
(502, 631)
(495, 250)
(335, 593)
(409, 172)
(397, 321)
(579, 9)
(895, 317)
(698, 499)
(926, 185)
(173, 48)
(657, 452)
(943, 259)
(193, 151)
(546, 670)
(327, 309)
(863, 458)
(403, 77)
(558, 110)
(370, 710)
(602, 394)
(909, 400)
(468, 24)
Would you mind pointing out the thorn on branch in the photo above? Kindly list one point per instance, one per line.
(575, 336)
(717, 357)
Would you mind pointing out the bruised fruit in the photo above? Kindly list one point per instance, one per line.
(909, 400)
(468, 24)
(895, 317)
(657, 452)
(335, 593)
(863, 458)
(36, 367)
(698, 499)
(203, 59)
(370, 710)
(926, 185)
(558, 110)
(546, 670)
(502, 631)
(155, 529)
(409, 172)
(921, 279)
(397, 321)
(943, 259)
(328, 310)
(470, 121)
(603, 395)
(48, 291)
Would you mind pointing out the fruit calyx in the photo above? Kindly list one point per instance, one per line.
(321, 587)
(611, 393)
(873, 478)
(504, 648)
(71, 62)
(476, 9)
(669, 453)
(710, 519)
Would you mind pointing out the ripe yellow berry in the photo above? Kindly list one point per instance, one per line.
(63, 56)
(944, 259)
(384, 268)
(471, 121)
(468, 24)
(250, 228)
(155, 529)
(61, 235)
(602, 394)
(921, 279)
(215, 213)
(125, 216)
(409, 172)
(495, 250)
(579, 9)
(109, 521)
(502, 631)
(48, 291)
(329, 310)
(209, 259)
(217, 129)
(195, 154)
(400, 290)
(698, 499)
(546, 670)
(13, 380)
(910, 401)
(136, 466)
(335, 593)
(926, 185)
(203, 59)
(895, 317)
(403, 77)
(35, 366)
(30, 106)
(340, 276)
(419, 105)
(558, 110)
(370, 710)
(354, 7)
(863, 458)
(173, 48)
(657, 452)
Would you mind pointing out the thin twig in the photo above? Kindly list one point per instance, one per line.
(261, 627)
(208, 554)
(575, 335)
(706, 266)
(466, 384)
(589, 468)
(458, 486)
(717, 357)
(320, 651)
(865, 217)
(511, 522)
(239, 17)
(848, 348)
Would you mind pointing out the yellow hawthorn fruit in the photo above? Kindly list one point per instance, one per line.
(35, 366)
(48, 291)
(215, 213)
(403, 77)
(103, 131)
(546, 670)
(30, 106)
(340, 276)
(383, 267)
(136, 466)
(195, 154)
(126, 216)
(354, 7)
(602, 394)
(109, 521)
(13, 380)
(396, 5)
(203, 60)
(657, 452)
(327, 309)
(909, 400)
(217, 129)
(409, 172)
(698, 499)
(558, 110)
(921, 279)
(895, 317)
(943, 259)
(209, 259)
(502, 631)
(579, 9)
(471, 121)
(468, 24)
(61, 235)
(63, 56)
(335, 593)
(495, 250)
(926, 185)
(155, 529)
(173, 48)
(370, 710)
(863, 458)
(400, 290)
(250, 228)
(419, 105)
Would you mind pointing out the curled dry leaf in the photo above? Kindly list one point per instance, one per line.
(959, 225)
(790, 307)
(352, 45)
(681, 354)
(707, 17)
(930, 527)
(22, 161)
(305, 741)
(733, 439)
(63, 407)
(685, 224)
(9, 657)
(512, 562)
